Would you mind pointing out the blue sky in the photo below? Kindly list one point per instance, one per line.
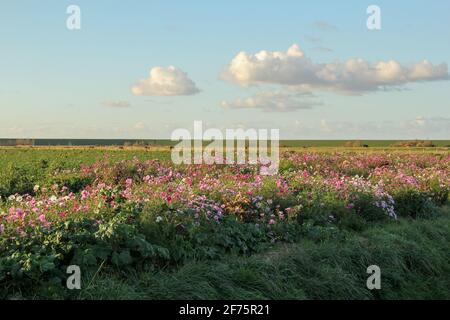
(58, 83)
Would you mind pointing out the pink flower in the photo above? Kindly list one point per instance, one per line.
(84, 194)
(19, 212)
(43, 220)
(271, 221)
(16, 214)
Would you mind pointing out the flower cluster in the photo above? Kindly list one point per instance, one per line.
(212, 192)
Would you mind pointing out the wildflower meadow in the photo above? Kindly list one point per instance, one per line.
(126, 213)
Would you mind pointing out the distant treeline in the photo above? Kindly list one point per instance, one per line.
(84, 142)
(166, 142)
(17, 142)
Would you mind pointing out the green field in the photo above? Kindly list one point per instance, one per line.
(142, 228)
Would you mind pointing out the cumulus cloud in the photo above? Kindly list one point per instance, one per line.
(272, 101)
(170, 81)
(354, 76)
(116, 104)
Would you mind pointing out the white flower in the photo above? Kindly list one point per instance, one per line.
(159, 219)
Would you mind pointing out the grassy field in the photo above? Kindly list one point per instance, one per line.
(141, 228)
(412, 255)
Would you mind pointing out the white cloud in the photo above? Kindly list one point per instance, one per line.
(116, 104)
(271, 101)
(170, 81)
(354, 76)
(419, 121)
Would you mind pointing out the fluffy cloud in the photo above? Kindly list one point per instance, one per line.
(293, 68)
(116, 104)
(271, 101)
(169, 81)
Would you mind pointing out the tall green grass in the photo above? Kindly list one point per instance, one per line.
(414, 258)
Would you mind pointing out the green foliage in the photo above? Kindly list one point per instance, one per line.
(365, 206)
(40, 259)
(74, 182)
(205, 239)
(324, 210)
(17, 179)
(415, 204)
